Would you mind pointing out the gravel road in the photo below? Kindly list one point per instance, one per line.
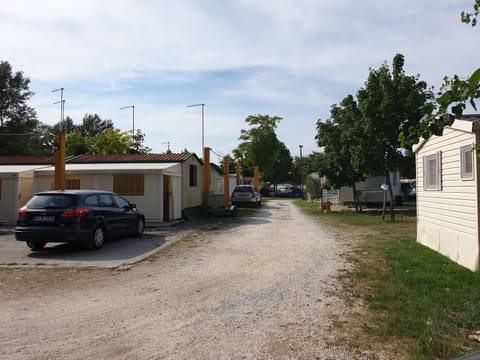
(257, 287)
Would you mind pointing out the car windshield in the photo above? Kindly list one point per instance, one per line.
(243, 189)
(52, 201)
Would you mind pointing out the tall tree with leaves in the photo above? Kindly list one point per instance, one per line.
(67, 126)
(93, 125)
(111, 142)
(345, 156)
(390, 103)
(17, 120)
(138, 146)
(260, 146)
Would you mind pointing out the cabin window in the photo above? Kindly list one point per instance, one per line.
(432, 165)
(193, 175)
(466, 161)
(129, 184)
(72, 184)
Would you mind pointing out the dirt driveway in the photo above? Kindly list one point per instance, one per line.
(257, 287)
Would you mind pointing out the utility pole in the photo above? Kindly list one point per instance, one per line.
(301, 169)
(62, 106)
(203, 123)
(133, 123)
(60, 152)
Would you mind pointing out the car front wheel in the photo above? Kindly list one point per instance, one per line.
(36, 245)
(140, 227)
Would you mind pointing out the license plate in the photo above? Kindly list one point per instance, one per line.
(243, 196)
(44, 218)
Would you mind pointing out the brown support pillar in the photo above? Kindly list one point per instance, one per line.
(226, 182)
(256, 178)
(206, 177)
(60, 155)
(237, 169)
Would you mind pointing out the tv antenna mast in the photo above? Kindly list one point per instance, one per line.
(168, 145)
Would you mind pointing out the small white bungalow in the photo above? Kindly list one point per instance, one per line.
(448, 196)
(16, 184)
(164, 186)
(370, 190)
(216, 198)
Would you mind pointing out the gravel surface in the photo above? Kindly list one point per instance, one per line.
(256, 287)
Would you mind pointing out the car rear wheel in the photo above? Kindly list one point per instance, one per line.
(140, 227)
(97, 240)
(36, 245)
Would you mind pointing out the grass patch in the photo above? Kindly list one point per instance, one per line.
(417, 299)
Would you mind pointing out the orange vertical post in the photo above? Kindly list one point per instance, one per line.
(206, 177)
(237, 169)
(256, 178)
(60, 155)
(226, 181)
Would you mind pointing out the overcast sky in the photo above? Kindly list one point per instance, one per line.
(287, 58)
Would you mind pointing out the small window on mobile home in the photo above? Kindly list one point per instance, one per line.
(466, 161)
(432, 165)
(72, 184)
(193, 175)
(129, 184)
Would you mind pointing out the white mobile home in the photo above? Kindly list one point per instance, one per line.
(16, 184)
(370, 191)
(448, 196)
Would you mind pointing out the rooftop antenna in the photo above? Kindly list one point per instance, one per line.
(168, 146)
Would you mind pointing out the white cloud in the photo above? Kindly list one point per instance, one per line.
(291, 58)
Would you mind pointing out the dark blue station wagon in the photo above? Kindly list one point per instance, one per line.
(86, 216)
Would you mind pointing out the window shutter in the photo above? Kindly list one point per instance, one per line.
(439, 171)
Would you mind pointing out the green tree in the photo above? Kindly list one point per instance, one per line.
(314, 163)
(260, 146)
(471, 18)
(390, 103)
(342, 137)
(68, 126)
(407, 165)
(297, 173)
(138, 144)
(93, 125)
(112, 142)
(18, 121)
(77, 144)
(282, 165)
(42, 140)
(98, 136)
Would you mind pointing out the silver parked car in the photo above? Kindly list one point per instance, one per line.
(246, 195)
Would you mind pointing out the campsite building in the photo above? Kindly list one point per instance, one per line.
(164, 186)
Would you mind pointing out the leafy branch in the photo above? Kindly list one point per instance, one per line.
(450, 102)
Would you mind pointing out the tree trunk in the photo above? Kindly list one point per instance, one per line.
(356, 200)
(390, 190)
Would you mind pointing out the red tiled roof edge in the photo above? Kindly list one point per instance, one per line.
(131, 158)
(26, 160)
